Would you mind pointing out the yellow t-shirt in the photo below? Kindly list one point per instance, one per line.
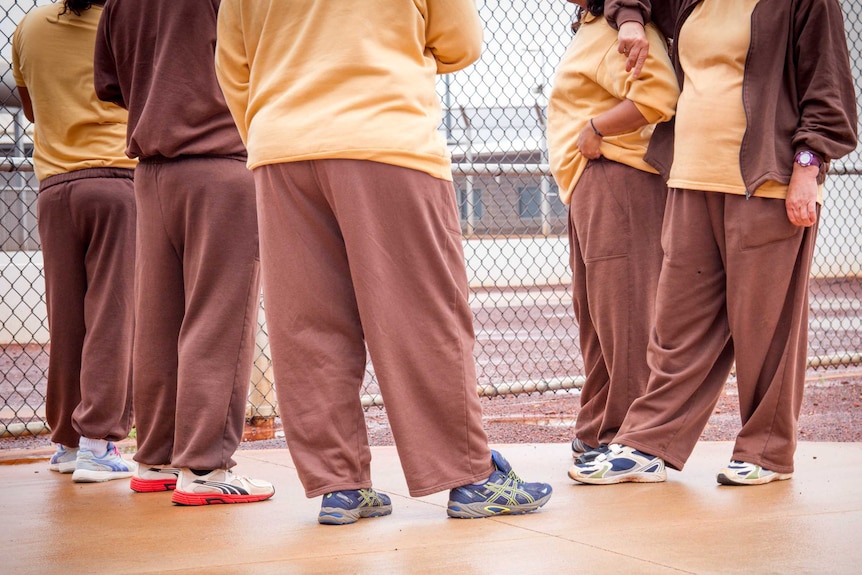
(309, 80)
(52, 56)
(592, 79)
(710, 119)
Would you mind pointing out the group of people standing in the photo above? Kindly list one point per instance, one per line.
(190, 151)
(287, 138)
(740, 123)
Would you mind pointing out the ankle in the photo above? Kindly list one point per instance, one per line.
(97, 446)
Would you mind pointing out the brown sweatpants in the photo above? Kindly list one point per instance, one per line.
(615, 221)
(360, 253)
(733, 286)
(197, 297)
(87, 229)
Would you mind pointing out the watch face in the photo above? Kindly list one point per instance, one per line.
(807, 158)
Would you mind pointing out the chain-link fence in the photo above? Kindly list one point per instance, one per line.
(513, 222)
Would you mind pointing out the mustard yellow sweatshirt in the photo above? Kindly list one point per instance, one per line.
(52, 56)
(315, 79)
(592, 79)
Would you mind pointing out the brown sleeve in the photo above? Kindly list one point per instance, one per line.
(661, 12)
(618, 12)
(105, 78)
(824, 80)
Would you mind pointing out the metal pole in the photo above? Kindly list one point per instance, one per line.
(544, 183)
(18, 184)
(447, 102)
(468, 180)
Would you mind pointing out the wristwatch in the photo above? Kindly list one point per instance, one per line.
(806, 158)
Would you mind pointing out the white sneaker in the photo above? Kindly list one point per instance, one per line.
(63, 460)
(620, 464)
(579, 448)
(741, 473)
(92, 468)
(153, 478)
(219, 486)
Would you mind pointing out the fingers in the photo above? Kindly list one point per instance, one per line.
(589, 144)
(633, 43)
(803, 214)
(590, 152)
(640, 58)
(636, 55)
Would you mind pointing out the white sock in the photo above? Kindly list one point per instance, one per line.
(97, 446)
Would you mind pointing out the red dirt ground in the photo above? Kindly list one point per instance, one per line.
(831, 411)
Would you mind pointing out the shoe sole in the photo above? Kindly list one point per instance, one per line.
(90, 476)
(651, 477)
(483, 510)
(339, 516)
(152, 485)
(726, 480)
(184, 498)
(68, 467)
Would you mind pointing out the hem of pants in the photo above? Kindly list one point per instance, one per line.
(469, 480)
(337, 487)
(669, 460)
(761, 461)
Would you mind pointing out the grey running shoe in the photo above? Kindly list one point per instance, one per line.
(504, 493)
(349, 506)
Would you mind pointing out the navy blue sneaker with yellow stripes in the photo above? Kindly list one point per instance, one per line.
(504, 493)
(349, 506)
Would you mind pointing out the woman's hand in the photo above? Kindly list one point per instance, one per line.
(634, 44)
(589, 143)
(801, 201)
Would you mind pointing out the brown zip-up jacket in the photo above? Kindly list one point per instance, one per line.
(798, 87)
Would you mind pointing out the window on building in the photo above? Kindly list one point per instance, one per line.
(529, 202)
(558, 208)
(471, 201)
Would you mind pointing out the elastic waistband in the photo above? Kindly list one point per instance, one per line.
(184, 157)
(127, 173)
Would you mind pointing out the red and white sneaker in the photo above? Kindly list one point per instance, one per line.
(219, 486)
(153, 478)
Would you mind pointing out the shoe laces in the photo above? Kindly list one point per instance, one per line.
(369, 498)
(509, 489)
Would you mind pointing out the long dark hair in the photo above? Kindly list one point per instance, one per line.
(596, 7)
(78, 6)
